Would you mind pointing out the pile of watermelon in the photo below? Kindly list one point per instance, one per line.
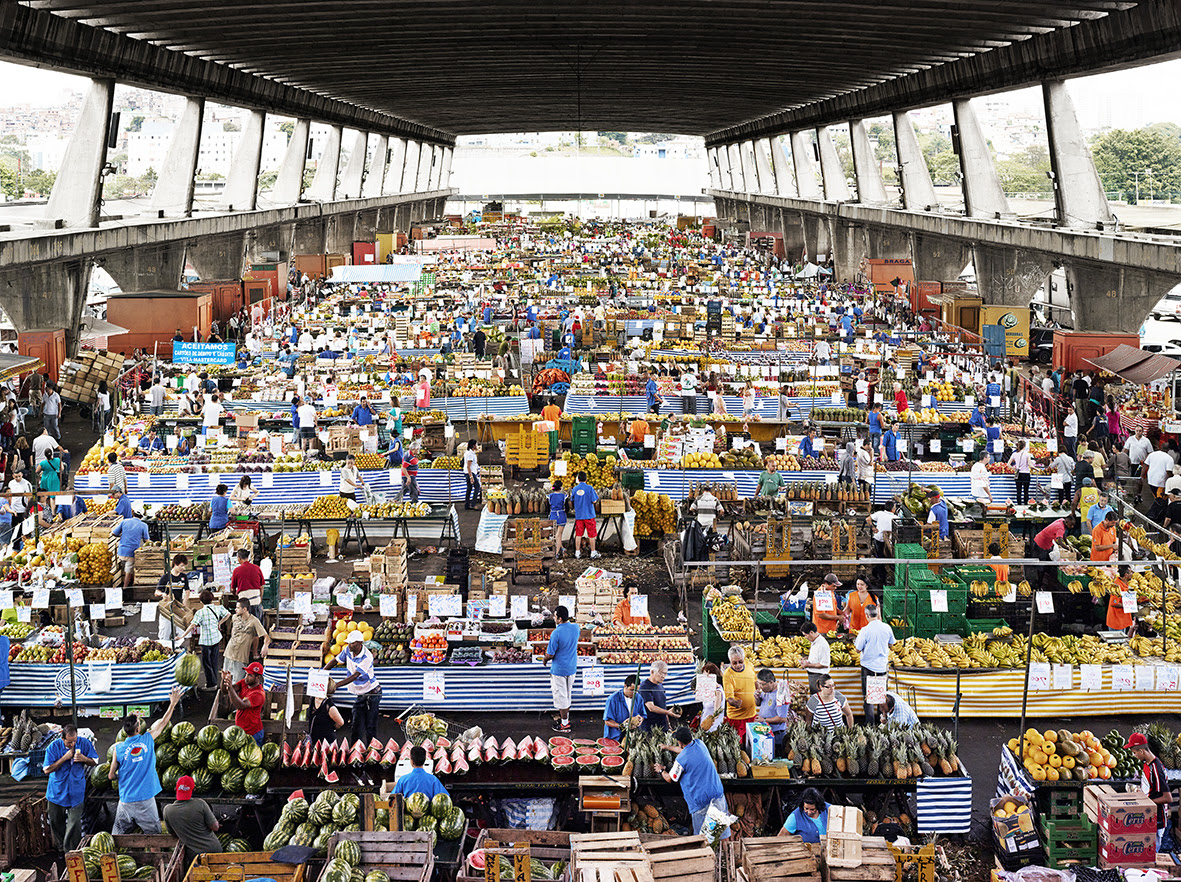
(436, 816)
(218, 761)
(104, 843)
(312, 824)
(585, 756)
(345, 865)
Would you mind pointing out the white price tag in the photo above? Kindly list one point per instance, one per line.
(388, 606)
(569, 601)
(592, 680)
(143, 479)
(1045, 603)
(970, 401)
(639, 604)
(1039, 676)
(649, 441)
(560, 467)
(825, 601)
(927, 402)
(1052, 445)
(74, 598)
(1063, 677)
(182, 481)
(1123, 678)
(147, 612)
(98, 612)
(1166, 678)
(303, 602)
(838, 399)
(41, 598)
(998, 445)
(496, 606)
(24, 614)
(706, 687)
(830, 478)
(875, 690)
(936, 445)
(317, 683)
(969, 445)
(434, 686)
(268, 480)
(1091, 678)
(6, 600)
(1145, 679)
(411, 607)
(94, 480)
(1129, 601)
(114, 596)
(938, 601)
(519, 606)
(1055, 482)
(346, 600)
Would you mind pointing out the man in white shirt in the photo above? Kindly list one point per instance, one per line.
(1175, 480)
(818, 663)
(156, 397)
(862, 387)
(1138, 448)
(193, 381)
(471, 474)
(306, 343)
(1070, 433)
(42, 444)
(688, 392)
(823, 352)
(981, 491)
(307, 423)
(1157, 467)
(211, 415)
(19, 504)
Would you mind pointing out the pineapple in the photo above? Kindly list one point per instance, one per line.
(873, 766)
(855, 747)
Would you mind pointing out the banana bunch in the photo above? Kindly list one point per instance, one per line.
(1102, 583)
(733, 620)
(1075, 650)
(844, 655)
(1155, 648)
(782, 652)
(1003, 631)
(980, 588)
(1024, 589)
(1074, 586)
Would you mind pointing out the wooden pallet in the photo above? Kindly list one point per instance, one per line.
(238, 866)
(776, 859)
(608, 857)
(403, 857)
(679, 858)
(876, 864)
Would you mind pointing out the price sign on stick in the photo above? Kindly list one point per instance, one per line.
(411, 607)
(519, 606)
(1123, 678)
(303, 603)
(1091, 679)
(825, 602)
(875, 690)
(147, 612)
(496, 606)
(1063, 676)
(1039, 676)
(388, 606)
(706, 687)
(938, 601)
(317, 683)
(1045, 603)
(592, 681)
(434, 686)
(1129, 601)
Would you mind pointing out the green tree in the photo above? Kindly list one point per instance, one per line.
(231, 125)
(882, 134)
(136, 124)
(8, 182)
(840, 140)
(1026, 173)
(944, 167)
(148, 178)
(288, 128)
(1143, 160)
(266, 181)
(617, 137)
(40, 181)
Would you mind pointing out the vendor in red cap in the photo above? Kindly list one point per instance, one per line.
(191, 821)
(247, 697)
(1153, 781)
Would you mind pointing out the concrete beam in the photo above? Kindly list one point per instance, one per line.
(289, 183)
(241, 192)
(1078, 192)
(711, 162)
(804, 159)
(425, 155)
(849, 246)
(870, 189)
(918, 193)
(375, 180)
(939, 258)
(817, 237)
(1145, 33)
(173, 193)
(40, 38)
(831, 171)
(77, 190)
(1009, 276)
(323, 186)
(750, 171)
(983, 195)
(448, 158)
(354, 171)
(792, 225)
(218, 257)
(1113, 298)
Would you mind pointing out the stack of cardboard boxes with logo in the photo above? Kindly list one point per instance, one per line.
(1127, 830)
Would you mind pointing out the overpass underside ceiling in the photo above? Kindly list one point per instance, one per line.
(685, 66)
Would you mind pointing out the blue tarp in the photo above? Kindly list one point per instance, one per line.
(378, 274)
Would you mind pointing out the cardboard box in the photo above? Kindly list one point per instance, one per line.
(1015, 832)
(1127, 849)
(1127, 813)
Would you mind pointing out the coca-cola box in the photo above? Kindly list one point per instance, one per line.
(1126, 849)
(1131, 812)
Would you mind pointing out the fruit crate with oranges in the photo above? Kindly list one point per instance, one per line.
(336, 634)
(1060, 755)
(429, 647)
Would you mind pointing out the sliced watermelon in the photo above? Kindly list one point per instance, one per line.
(461, 767)
(612, 762)
(296, 754)
(558, 740)
(285, 757)
(427, 745)
(392, 744)
(583, 742)
(509, 744)
(525, 749)
(587, 762)
(491, 755)
(443, 742)
(491, 741)
(586, 751)
(507, 754)
(607, 742)
(541, 754)
(563, 762)
(375, 744)
(443, 767)
(474, 755)
(405, 752)
(611, 751)
(440, 754)
(357, 754)
(373, 756)
(562, 750)
(389, 758)
(457, 753)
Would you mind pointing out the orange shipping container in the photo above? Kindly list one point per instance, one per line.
(1073, 348)
(153, 317)
(47, 344)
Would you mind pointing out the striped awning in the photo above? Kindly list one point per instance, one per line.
(37, 685)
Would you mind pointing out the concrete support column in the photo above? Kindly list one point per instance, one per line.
(323, 188)
(750, 173)
(792, 226)
(410, 167)
(836, 189)
(425, 154)
(289, 183)
(781, 169)
(1078, 192)
(918, 193)
(888, 242)
(49, 295)
(850, 245)
(1110, 298)
(309, 237)
(78, 188)
(220, 256)
(353, 178)
(983, 196)
(870, 189)
(153, 267)
(241, 192)
(803, 156)
(763, 168)
(711, 163)
(1009, 276)
(727, 168)
(375, 181)
(173, 193)
(817, 236)
(396, 166)
(737, 173)
(445, 177)
(940, 258)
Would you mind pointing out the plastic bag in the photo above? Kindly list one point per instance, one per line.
(716, 825)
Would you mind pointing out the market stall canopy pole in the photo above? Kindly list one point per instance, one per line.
(1135, 365)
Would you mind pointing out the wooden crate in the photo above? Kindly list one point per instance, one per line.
(24, 830)
(404, 857)
(238, 866)
(774, 859)
(1091, 796)
(679, 858)
(843, 843)
(875, 864)
(162, 852)
(608, 857)
(546, 846)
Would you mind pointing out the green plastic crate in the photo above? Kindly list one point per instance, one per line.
(984, 626)
(632, 479)
(900, 603)
(927, 625)
(910, 551)
(969, 574)
(950, 623)
(957, 599)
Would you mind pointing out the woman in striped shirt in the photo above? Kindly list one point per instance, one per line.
(828, 708)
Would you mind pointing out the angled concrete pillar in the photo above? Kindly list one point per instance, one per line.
(918, 193)
(940, 258)
(803, 156)
(289, 184)
(323, 187)
(1009, 276)
(153, 267)
(983, 196)
(817, 237)
(48, 295)
(353, 177)
(711, 163)
(792, 226)
(425, 155)
(868, 174)
(836, 189)
(241, 192)
(763, 167)
(737, 172)
(1078, 192)
(750, 173)
(78, 188)
(397, 165)
(375, 180)
(410, 170)
(1109, 298)
(727, 167)
(218, 256)
(173, 193)
(849, 246)
(448, 158)
(785, 184)
(436, 167)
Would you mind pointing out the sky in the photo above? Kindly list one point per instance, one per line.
(1123, 99)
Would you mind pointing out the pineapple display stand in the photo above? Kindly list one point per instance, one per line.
(932, 544)
(778, 547)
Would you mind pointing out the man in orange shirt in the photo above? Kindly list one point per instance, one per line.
(1103, 539)
(623, 610)
(639, 428)
(1001, 569)
(552, 413)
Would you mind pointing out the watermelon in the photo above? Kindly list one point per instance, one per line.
(219, 761)
(457, 753)
(473, 755)
(188, 670)
(250, 756)
(376, 876)
(612, 762)
(427, 745)
(170, 777)
(541, 751)
(428, 823)
(99, 777)
(389, 758)
(461, 767)
(237, 846)
(563, 762)
(491, 741)
(103, 842)
(343, 813)
(491, 755)
(336, 870)
(372, 756)
(203, 780)
(442, 742)
(292, 755)
(374, 744)
(190, 757)
(583, 742)
(330, 777)
(257, 780)
(166, 755)
(235, 738)
(234, 781)
(587, 762)
(348, 851)
(562, 750)
(509, 744)
(611, 751)
(182, 733)
(506, 754)
(443, 767)
(357, 875)
(392, 744)
(408, 823)
(417, 804)
(559, 741)
(440, 805)
(454, 825)
(586, 751)
(209, 738)
(270, 756)
(440, 754)
(607, 742)
(127, 866)
(296, 809)
(525, 749)
(357, 754)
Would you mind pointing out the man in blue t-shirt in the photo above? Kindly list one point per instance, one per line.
(584, 498)
(695, 771)
(563, 652)
(418, 779)
(652, 391)
(134, 767)
(363, 413)
(66, 762)
(623, 710)
(132, 533)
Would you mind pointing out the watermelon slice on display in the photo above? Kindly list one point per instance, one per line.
(507, 754)
(443, 742)
(456, 753)
(285, 759)
(428, 745)
(541, 754)
(375, 744)
(562, 750)
(583, 742)
(372, 756)
(613, 761)
(392, 744)
(509, 744)
(587, 761)
(607, 742)
(586, 751)
(491, 742)
(473, 755)
(389, 758)
(558, 741)
(443, 767)
(491, 755)
(330, 777)
(525, 749)
(611, 751)
(461, 767)
(406, 750)
(563, 763)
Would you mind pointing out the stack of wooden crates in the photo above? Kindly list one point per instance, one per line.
(81, 375)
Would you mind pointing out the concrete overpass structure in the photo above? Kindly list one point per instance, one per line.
(399, 79)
